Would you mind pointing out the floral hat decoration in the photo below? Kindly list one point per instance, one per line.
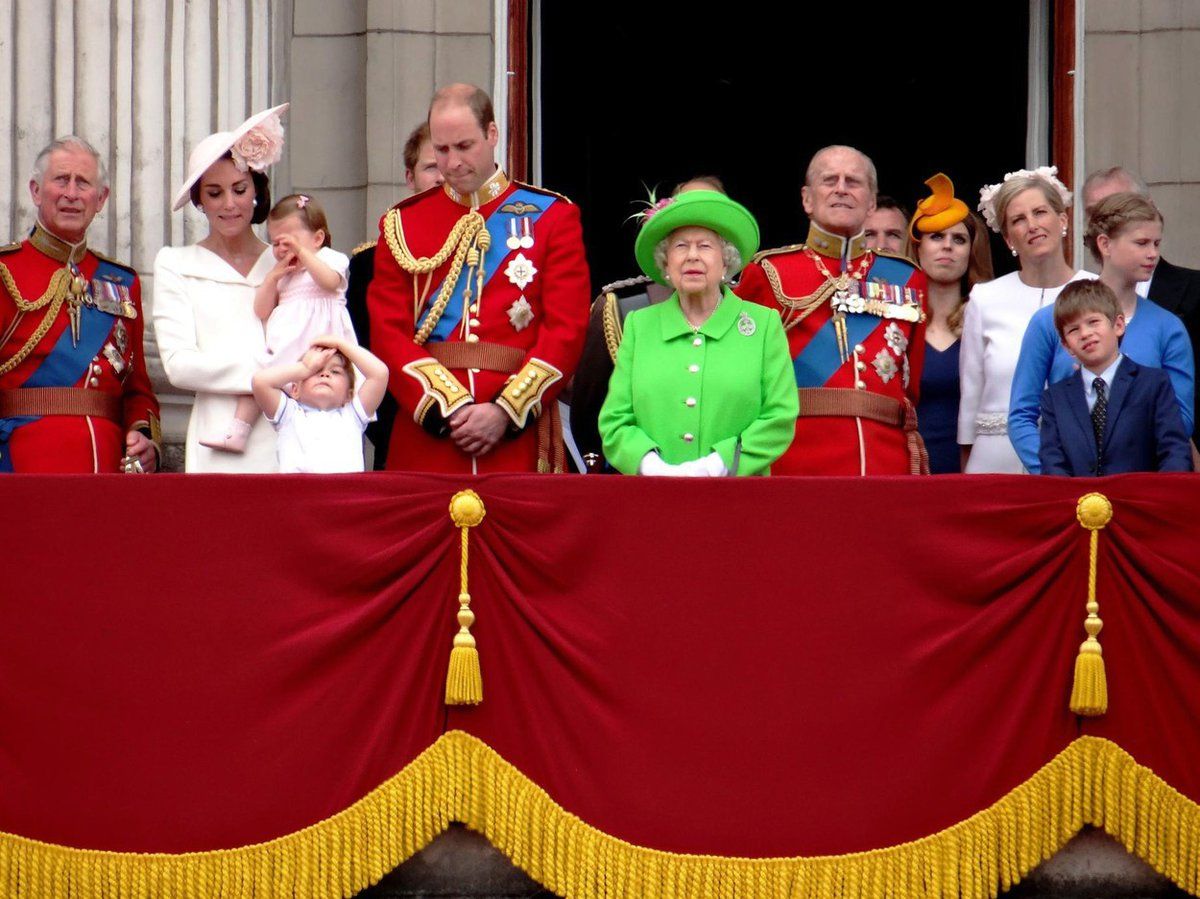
(1047, 173)
(255, 144)
(694, 209)
(940, 210)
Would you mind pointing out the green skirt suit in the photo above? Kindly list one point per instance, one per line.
(685, 392)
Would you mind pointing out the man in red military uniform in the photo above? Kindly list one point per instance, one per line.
(74, 392)
(478, 306)
(855, 322)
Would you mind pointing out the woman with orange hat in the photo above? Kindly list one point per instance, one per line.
(208, 333)
(951, 245)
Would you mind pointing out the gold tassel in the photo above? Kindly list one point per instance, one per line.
(464, 682)
(1089, 693)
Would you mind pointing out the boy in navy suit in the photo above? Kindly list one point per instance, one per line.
(1112, 415)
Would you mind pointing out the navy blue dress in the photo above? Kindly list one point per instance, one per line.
(937, 412)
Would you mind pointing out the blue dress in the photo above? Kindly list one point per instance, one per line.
(937, 411)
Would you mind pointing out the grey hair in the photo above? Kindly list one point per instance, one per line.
(729, 255)
(872, 177)
(1102, 176)
(67, 142)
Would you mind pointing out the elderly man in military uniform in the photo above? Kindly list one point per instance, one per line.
(478, 306)
(855, 322)
(74, 392)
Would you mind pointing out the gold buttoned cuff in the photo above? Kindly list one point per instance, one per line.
(440, 386)
(523, 392)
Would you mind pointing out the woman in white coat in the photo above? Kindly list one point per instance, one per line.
(1029, 209)
(208, 334)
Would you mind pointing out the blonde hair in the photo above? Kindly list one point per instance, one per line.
(1009, 189)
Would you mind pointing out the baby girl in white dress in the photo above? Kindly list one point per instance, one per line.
(303, 297)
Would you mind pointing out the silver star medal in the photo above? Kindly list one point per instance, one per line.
(520, 271)
(520, 314)
(746, 326)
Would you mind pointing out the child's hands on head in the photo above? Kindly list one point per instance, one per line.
(317, 355)
(331, 341)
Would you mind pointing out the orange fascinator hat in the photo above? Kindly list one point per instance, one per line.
(939, 211)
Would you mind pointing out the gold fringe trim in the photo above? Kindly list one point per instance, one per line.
(460, 778)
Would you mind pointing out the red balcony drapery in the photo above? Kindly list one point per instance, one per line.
(220, 671)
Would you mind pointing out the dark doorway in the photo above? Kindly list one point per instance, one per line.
(643, 93)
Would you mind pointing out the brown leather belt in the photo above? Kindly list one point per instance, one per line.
(59, 401)
(839, 401)
(508, 359)
(843, 402)
(483, 356)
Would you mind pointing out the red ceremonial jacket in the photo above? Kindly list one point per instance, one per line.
(884, 357)
(107, 358)
(530, 318)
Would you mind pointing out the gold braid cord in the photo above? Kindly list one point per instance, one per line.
(467, 235)
(610, 316)
(56, 293)
(1089, 691)
(796, 309)
(464, 681)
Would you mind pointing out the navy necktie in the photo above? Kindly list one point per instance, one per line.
(1100, 412)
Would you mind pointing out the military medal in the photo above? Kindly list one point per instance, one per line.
(121, 336)
(520, 271)
(520, 314)
(520, 237)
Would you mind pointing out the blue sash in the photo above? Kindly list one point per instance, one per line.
(821, 359)
(497, 225)
(66, 363)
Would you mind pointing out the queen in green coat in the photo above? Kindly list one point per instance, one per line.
(703, 384)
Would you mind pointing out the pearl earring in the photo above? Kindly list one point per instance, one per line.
(1012, 250)
(1064, 232)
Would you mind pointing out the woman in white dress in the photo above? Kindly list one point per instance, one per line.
(208, 333)
(1029, 209)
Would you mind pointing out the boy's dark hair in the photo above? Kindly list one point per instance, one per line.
(1080, 297)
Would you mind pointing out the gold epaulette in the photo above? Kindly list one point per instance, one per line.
(10, 247)
(118, 264)
(544, 190)
(775, 251)
(362, 247)
(897, 256)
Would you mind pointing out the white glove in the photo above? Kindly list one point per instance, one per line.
(652, 464)
(710, 466)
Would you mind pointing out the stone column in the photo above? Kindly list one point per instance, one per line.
(1141, 108)
(412, 47)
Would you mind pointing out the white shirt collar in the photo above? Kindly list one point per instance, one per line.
(1108, 374)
